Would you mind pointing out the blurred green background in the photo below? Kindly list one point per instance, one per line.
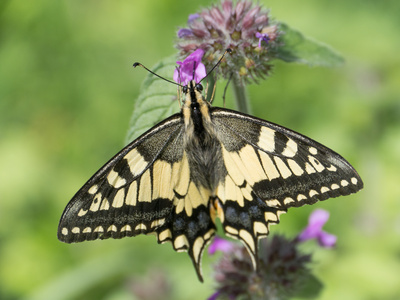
(67, 91)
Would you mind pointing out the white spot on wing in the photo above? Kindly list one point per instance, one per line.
(197, 247)
(76, 230)
(119, 199)
(87, 230)
(290, 149)
(273, 203)
(105, 205)
(267, 139)
(248, 239)
(283, 169)
(64, 231)
(231, 167)
(112, 228)
(145, 187)
(288, 200)
(324, 189)
(269, 216)
(136, 162)
(251, 162)
(208, 235)
(162, 187)
(82, 212)
(313, 193)
(164, 235)
(141, 226)
(181, 175)
(269, 166)
(98, 229)
(301, 197)
(96, 202)
(354, 180)
(179, 205)
(93, 189)
(344, 183)
(296, 169)
(126, 228)
(332, 168)
(309, 168)
(260, 228)
(230, 191)
(231, 230)
(181, 242)
(131, 197)
(157, 223)
(313, 150)
(315, 163)
(334, 186)
(115, 180)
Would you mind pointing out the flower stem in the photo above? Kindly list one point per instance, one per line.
(240, 94)
(211, 83)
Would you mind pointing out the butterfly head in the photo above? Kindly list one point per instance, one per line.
(193, 90)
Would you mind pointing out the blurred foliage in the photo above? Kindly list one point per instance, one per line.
(67, 91)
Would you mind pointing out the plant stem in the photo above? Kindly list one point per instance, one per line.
(211, 84)
(240, 94)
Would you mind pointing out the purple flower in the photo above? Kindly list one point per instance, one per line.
(314, 230)
(184, 32)
(193, 17)
(220, 244)
(214, 296)
(232, 24)
(191, 68)
(262, 37)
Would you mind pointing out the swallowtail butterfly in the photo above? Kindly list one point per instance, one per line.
(199, 164)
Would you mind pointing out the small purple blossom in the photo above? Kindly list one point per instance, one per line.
(193, 17)
(220, 244)
(314, 230)
(214, 296)
(191, 68)
(184, 32)
(262, 37)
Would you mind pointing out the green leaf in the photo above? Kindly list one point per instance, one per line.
(310, 287)
(298, 48)
(157, 99)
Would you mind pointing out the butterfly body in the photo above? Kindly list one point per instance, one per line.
(199, 164)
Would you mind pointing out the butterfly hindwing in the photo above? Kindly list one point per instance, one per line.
(269, 169)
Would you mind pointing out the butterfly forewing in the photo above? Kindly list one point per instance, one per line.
(129, 195)
(271, 168)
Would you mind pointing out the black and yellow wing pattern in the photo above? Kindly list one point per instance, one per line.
(199, 164)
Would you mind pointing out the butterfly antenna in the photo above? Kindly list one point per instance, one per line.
(225, 89)
(194, 70)
(136, 64)
(216, 65)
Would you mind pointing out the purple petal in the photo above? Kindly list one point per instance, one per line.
(193, 17)
(262, 37)
(184, 32)
(192, 65)
(327, 240)
(220, 244)
(318, 218)
(314, 230)
(214, 296)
